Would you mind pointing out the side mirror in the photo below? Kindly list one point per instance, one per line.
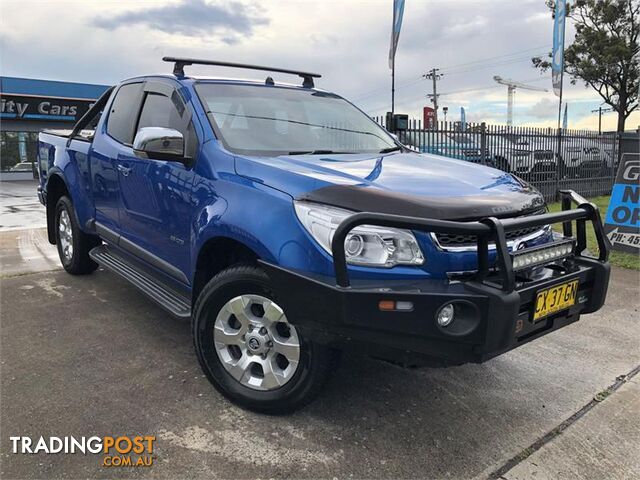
(159, 143)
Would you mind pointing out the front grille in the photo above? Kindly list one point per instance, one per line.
(447, 240)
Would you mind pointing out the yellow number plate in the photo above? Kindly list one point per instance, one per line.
(555, 299)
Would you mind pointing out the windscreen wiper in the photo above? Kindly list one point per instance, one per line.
(390, 149)
(316, 152)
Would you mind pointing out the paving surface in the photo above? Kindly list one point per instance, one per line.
(26, 251)
(19, 206)
(603, 444)
(89, 356)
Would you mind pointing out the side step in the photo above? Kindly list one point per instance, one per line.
(174, 302)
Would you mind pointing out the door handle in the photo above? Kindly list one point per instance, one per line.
(125, 171)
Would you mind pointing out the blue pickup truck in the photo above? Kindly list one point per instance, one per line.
(288, 226)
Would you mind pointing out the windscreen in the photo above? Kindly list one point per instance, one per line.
(271, 121)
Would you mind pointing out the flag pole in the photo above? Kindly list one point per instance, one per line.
(398, 11)
(561, 85)
(561, 46)
(558, 166)
(564, 29)
(393, 85)
(393, 61)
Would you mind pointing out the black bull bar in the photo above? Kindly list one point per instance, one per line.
(487, 230)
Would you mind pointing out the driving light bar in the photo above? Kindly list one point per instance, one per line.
(532, 257)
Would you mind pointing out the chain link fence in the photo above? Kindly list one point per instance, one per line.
(551, 160)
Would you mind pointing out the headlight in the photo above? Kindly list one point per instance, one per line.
(365, 245)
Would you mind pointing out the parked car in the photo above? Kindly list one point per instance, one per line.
(524, 156)
(288, 226)
(22, 167)
(459, 145)
(585, 159)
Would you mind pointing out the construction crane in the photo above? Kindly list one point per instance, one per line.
(511, 90)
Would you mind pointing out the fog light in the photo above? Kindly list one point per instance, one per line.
(445, 315)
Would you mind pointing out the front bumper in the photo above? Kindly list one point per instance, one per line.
(497, 303)
(350, 317)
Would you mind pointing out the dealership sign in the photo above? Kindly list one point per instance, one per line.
(22, 107)
(428, 118)
(622, 224)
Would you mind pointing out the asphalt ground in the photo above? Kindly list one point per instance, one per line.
(19, 206)
(87, 356)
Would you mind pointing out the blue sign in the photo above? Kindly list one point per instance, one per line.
(622, 223)
(27, 107)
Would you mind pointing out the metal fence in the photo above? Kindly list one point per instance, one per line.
(551, 160)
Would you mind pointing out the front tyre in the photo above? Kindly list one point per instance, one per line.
(249, 350)
(73, 244)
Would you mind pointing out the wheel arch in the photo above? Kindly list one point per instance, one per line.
(217, 254)
(56, 188)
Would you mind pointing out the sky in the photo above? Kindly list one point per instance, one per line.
(347, 41)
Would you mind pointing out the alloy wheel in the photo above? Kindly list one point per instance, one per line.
(255, 343)
(65, 234)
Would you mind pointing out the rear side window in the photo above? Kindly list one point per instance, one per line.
(161, 111)
(124, 112)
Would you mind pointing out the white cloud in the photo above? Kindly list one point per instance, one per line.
(346, 41)
(228, 21)
(544, 108)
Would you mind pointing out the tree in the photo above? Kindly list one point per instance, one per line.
(605, 53)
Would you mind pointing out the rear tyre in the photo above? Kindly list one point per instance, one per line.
(73, 244)
(249, 350)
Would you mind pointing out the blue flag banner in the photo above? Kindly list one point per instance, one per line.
(463, 119)
(398, 11)
(557, 60)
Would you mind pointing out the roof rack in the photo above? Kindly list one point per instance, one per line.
(180, 63)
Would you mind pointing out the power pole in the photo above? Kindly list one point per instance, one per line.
(434, 76)
(600, 111)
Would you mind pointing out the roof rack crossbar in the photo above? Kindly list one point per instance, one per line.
(180, 63)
